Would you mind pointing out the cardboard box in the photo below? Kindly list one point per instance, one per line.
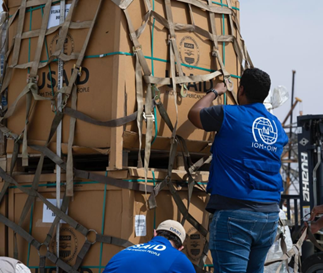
(108, 209)
(107, 88)
(3, 228)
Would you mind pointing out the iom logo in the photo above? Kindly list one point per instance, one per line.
(266, 130)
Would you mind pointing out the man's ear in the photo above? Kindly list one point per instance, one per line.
(155, 233)
(181, 248)
(241, 90)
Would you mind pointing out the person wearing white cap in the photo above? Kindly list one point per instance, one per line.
(10, 265)
(160, 255)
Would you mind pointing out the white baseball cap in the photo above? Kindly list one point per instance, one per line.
(173, 227)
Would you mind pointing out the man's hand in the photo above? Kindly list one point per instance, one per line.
(315, 227)
(221, 88)
(315, 211)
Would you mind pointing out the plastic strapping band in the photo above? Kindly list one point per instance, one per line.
(103, 219)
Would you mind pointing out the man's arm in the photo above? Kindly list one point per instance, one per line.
(316, 226)
(205, 102)
(315, 211)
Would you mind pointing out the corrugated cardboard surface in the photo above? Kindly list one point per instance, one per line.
(94, 86)
(195, 51)
(3, 228)
(103, 78)
(121, 208)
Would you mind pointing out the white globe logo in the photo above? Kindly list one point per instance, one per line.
(263, 128)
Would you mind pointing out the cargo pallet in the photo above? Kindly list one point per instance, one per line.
(129, 154)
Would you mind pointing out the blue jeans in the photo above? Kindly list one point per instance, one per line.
(240, 240)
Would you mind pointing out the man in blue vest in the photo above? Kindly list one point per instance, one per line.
(160, 255)
(244, 181)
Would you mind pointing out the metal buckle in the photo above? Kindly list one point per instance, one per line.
(170, 36)
(156, 98)
(79, 68)
(214, 53)
(145, 116)
(53, 106)
(184, 94)
(64, 101)
(229, 84)
(32, 79)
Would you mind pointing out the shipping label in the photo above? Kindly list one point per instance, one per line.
(140, 225)
(48, 214)
(55, 15)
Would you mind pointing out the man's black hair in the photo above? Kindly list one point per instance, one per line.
(256, 84)
(171, 237)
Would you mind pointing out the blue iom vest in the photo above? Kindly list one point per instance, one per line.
(246, 155)
(157, 256)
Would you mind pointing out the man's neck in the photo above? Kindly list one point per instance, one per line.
(172, 243)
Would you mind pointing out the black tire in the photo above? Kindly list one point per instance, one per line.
(313, 264)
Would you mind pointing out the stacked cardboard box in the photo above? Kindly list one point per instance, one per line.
(106, 90)
(107, 210)
(107, 86)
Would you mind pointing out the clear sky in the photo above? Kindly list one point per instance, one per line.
(286, 35)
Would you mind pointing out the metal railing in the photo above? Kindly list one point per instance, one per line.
(291, 205)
